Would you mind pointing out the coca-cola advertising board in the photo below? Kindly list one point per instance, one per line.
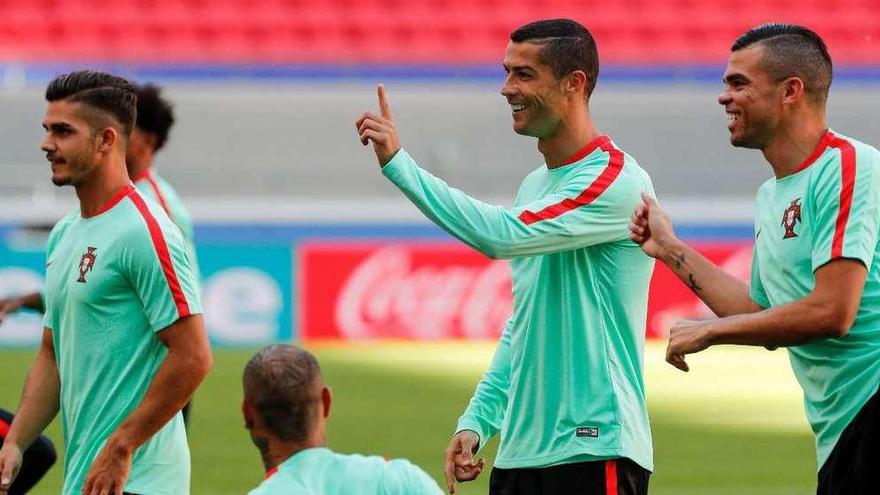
(443, 290)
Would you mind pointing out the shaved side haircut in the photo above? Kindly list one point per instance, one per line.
(567, 46)
(107, 95)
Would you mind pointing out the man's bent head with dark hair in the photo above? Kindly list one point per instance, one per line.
(155, 116)
(285, 400)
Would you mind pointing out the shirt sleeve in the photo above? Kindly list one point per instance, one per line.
(158, 266)
(405, 478)
(591, 207)
(756, 286)
(485, 411)
(50, 313)
(845, 207)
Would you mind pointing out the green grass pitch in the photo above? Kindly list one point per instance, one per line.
(733, 425)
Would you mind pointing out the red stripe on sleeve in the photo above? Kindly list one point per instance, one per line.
(593, 191)
(847, 186)
(164, 255)
(271, 472)
(611, 477)
(4, 428)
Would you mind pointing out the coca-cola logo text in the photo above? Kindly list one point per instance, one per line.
(389, 293)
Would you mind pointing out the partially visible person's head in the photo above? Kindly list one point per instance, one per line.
(285, 399)
(552, 67)
(155, 116)
(774, 71)
(89, 117)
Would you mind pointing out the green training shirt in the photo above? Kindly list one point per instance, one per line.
(320, 471)
(828, 209)
(565, 383)
(162, 193)
(113, 281)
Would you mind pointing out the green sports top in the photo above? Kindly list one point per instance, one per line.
(828, 209)
(163, 193)
(565, 383)
(320, 471)
(112, 281)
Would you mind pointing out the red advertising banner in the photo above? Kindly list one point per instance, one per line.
(441, 290)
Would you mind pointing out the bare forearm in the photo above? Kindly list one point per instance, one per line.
(173, 386)
(39, 401)
(790, 324)
(722, 292)
(32, 301)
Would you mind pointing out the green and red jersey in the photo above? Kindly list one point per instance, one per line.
(113, 281)
(828, 209)
(565, 384)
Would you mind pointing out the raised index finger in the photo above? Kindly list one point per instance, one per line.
(384, 108)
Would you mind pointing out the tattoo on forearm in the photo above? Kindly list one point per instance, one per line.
(692, 283)
(679, 260)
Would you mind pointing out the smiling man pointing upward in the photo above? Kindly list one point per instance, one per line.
(565, 387)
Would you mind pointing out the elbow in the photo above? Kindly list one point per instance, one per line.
(201, 362)
(206, 362)
(837, 329)
(836, 322)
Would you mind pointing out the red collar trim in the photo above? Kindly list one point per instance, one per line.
(147, 172)
(820, 148)
(586, 150)
(271, 472)
(125, 191)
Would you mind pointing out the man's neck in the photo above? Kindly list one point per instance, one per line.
(793, 145)
(570, 137)
(100, 187)
(136, 172)
(274, 451)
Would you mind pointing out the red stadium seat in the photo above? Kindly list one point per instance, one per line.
(406, 31)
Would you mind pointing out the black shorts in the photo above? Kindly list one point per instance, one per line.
(853, 468)
(612, 477)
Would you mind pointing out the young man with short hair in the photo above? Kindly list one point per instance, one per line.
(124, 346)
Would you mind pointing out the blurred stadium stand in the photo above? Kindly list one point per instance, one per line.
(400, 31)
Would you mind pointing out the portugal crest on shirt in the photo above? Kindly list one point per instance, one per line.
(790, 218)
(86, 263)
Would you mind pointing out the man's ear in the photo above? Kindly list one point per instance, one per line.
(793, 90)
(326, 399)
(577, 82)
(107, 139)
